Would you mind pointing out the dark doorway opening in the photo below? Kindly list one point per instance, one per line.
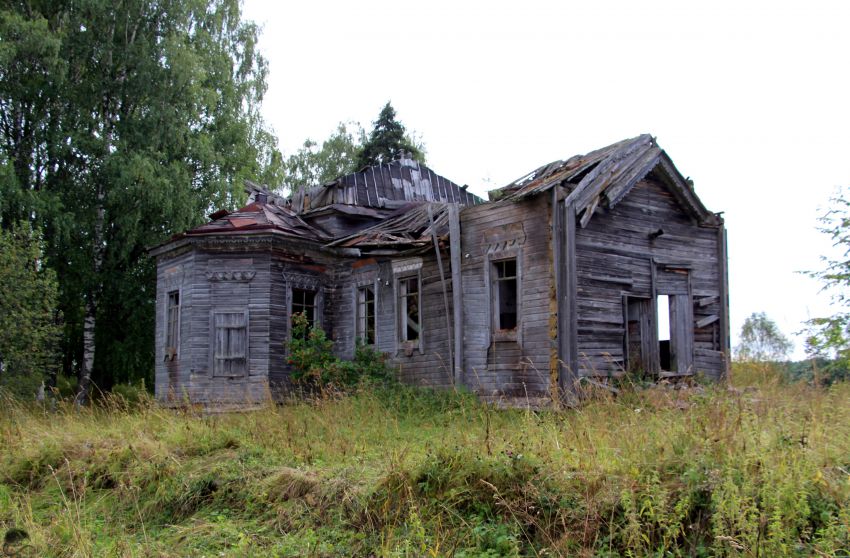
(664, 349)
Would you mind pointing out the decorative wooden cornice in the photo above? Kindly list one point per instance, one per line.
(403, 266)
(239, 276)
(302, 280)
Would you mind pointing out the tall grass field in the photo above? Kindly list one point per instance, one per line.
(761, 470)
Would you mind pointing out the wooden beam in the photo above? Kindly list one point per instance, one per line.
(457, 290)
(445, 294)
(566, 280)
(723, 273)
(703, 302)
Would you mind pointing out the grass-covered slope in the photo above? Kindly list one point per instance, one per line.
(658, 472)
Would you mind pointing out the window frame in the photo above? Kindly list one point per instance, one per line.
(401, 320)
(172, 351)
(308, 283)
(314, 306)
(491, 281)
(497, 293)
(214, 370)
(358, 318)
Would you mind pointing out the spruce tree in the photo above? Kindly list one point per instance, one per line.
(388, 141)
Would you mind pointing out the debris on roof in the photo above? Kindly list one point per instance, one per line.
(411, 227)
(605, 175)
(259, 216)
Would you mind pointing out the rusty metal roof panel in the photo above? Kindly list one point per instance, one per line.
(260, 216)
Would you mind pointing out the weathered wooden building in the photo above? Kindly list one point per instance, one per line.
(591, 267)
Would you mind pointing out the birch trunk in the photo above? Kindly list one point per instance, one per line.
(90, 321)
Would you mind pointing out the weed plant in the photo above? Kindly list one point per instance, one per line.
(759, 470)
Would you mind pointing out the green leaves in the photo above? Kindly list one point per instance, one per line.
(29, 323)
(761, 340)
(122, 124)
(347, 150)
(313, 166)
(829, 336)
(388, 141)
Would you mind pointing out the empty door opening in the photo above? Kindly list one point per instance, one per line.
(662, 305)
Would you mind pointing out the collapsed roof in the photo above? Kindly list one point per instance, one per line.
(606, 176)
(403, 205)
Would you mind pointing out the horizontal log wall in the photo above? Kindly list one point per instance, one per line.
(431, 366)
(231, 292)
(172, 375)
(614, 256)
(511, 368)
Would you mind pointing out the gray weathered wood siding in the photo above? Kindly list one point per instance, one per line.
(172, 375)
(295, 267)
(429, 365)
(495, 366)
(214, 279)
(616, 256)
(224, 280)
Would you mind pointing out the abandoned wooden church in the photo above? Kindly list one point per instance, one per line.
(590, 267)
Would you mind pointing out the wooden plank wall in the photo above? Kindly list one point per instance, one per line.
(199, 295)
(171, 378)
(278, 331)
(431, 367)
(614, 257)
(511, 369)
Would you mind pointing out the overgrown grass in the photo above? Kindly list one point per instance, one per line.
(756, 471)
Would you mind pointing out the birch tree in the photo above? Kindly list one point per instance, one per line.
(140, 116)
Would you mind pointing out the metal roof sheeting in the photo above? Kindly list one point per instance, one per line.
(386, 185)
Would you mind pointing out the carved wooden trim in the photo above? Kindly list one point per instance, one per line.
(302, 280)
(239, 276)
(406, 266)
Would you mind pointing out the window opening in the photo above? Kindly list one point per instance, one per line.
(304, 302)
(366, 315)
(173, 319)
(506, 294)
(408, 292)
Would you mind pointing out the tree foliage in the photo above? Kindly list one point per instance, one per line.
(761, 340)
(388, 140)
(123, 123)
(829, 336)
(312, 165)
(348, 149)
(29, 329)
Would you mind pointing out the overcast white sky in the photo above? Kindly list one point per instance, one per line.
(750, 99)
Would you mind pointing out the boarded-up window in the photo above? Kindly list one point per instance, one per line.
(505, 294)
(230, 348)
(172, 336)
(365, 327)
(408, 302)
(304, 302)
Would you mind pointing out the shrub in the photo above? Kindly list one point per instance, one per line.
(314, 364)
